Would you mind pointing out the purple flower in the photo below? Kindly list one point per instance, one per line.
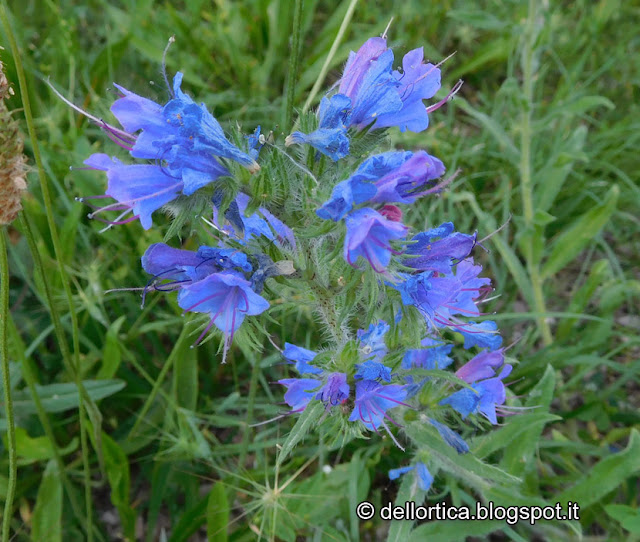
(482, 366)
(438, 249)
(255, 142)
(302, 357)
(198, 131)
(411, 179)
(373, 400)
(227, 297)
(335, 391)
(423, 476)
(368, 235)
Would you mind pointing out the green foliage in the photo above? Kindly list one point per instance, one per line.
(195, 464)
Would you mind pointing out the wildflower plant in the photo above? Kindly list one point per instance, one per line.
(313, 223)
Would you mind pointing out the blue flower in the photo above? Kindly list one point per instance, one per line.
(345, 195)
(331, 136)
(243, 228)
(140, 189)
(372, 370)
(418, 81)
(451, 437)
(438, 249)
(373, 400)
(483, 398)
(227, 297)
(441, 298)
(411, 178)
(368, 235)
(183, 139)
(198, 132)
(255, 142)
(423, 476)
(485, 335)
(299, 392)
(371, 94)
(435, 357)
(372, 341)
(302, 357)
(330, 388)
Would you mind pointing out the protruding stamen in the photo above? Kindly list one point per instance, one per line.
(451, 94)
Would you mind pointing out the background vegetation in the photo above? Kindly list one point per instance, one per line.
(546, 132)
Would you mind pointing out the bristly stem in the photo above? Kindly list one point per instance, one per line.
(6, 384)
(46, 195)
(294, 60)
(332, 52)
(526, 181)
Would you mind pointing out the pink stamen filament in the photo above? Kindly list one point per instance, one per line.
(451, 94)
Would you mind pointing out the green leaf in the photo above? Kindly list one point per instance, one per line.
(190, 522)
(63, 397)
(511, 152)
(30, 450)
(518, 454)
(600, 272)
(465, 467)
(627, 516)
(409, 491)
(513, 430)
(111, 355)
(606, 476)
(218, 512)
(584, 103)
(454, 531)
(117, 467)
(573, 240)
(47, 513)
(305, 422)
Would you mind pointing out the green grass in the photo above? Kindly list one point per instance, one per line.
(545, 132)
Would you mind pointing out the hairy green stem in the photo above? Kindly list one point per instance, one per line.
(6, 384)
(332, 52)
(526, 181)
(294, 60)
(44, 185)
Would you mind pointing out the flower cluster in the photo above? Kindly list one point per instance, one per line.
(384, 362)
